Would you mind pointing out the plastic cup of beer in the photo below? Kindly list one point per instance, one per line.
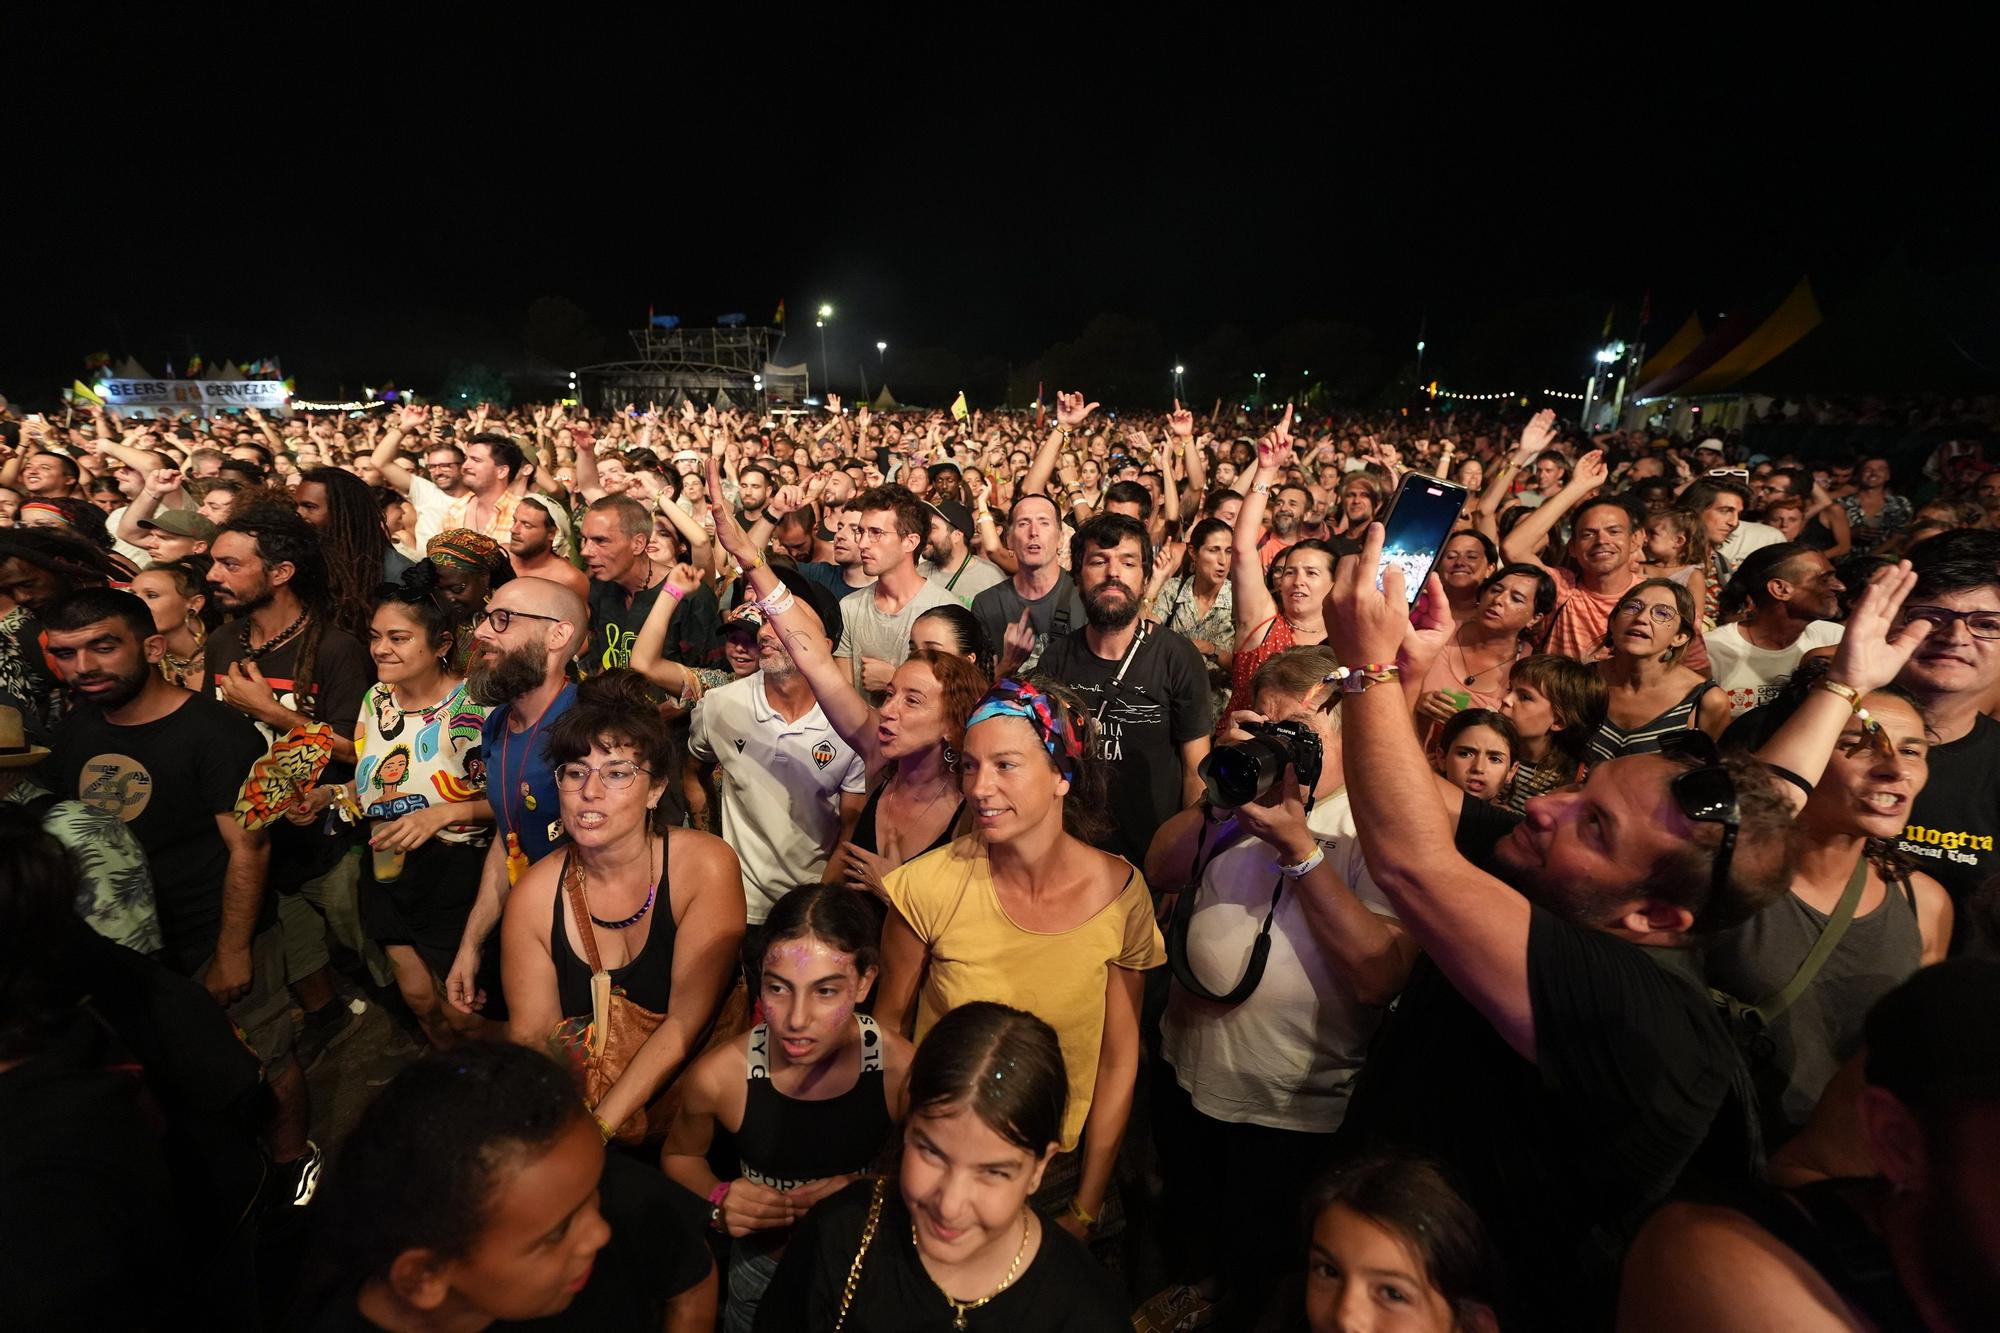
(388, 863)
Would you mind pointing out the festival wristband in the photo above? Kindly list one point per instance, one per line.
(672, 590)
(1305, 867)
(1076, 1211)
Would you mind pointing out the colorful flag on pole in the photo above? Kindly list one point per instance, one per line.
(194, 365)
(83, 393)
(959, 411)
(96, 361)
(778, 320)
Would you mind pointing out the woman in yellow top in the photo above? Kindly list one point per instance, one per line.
(1024, 913)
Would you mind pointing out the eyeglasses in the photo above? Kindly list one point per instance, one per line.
(1706, 795)
(1662, 613)
(616, 775)
(502, 618)
(1980, 624)
(1742, 472)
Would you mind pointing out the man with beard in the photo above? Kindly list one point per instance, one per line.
(1553, 1047)
(38, 567)
(1288, 515)
(539, 544)
(753, 492)
(169, 763)
(282, 663)
(948, 559)
(791, 788)
(1915, 1246)
(1145, 685)
(521, 644)
(1039, 602)
(1794, 609)
(1600, 569)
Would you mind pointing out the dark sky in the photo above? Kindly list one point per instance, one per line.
(374, 226)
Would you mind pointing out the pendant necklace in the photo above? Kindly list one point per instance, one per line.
(1471, 676)
(630, 921)
(960, 1309)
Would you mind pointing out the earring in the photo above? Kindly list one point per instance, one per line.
(950, 756)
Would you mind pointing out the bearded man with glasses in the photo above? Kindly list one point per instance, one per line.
(522, 643)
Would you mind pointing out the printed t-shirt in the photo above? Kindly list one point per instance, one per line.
(1750, 675)
(430, 756)
(1955, 817)
(167, 780)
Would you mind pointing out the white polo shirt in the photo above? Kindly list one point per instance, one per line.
(781, 786)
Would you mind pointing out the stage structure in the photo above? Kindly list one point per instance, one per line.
(729, 367)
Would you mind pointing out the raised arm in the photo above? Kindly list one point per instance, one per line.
(1526, 539)
(1071, 411)
(1246, 572)
(649, 657)
(394, 471)
(804, 640)
(1472, 925)
(1181, 424)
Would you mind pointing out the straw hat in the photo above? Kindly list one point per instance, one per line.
(15, 752)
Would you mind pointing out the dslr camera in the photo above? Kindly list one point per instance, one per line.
(1238, 774)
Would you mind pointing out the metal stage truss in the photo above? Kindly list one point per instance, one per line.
(672, 365)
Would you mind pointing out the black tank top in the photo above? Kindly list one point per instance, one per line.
(647, 981)
(787, 1141)
(864, 827)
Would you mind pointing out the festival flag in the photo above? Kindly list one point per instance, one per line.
(194, 365)
(778, 320)
(959, 411)
(96, 361)
(290, 388)
(83, 393)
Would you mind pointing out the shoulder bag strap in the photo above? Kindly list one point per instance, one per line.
(861, 1254)
(600, 980)
(1823, 947)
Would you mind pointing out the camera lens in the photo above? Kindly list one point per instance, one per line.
(1238, 774)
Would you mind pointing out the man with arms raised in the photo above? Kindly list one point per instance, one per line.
(492, 462)
(1553, 1046)
(524, 638)
(1037, 604)
(1600, 569)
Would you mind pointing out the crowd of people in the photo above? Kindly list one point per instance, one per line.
(860, 871)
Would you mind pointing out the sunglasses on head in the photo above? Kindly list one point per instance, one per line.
(1742, 472)
(1706, 794)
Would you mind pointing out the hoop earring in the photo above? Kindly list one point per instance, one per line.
(950, 756)
(195, 628)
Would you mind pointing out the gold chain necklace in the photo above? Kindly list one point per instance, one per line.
(960, 1309)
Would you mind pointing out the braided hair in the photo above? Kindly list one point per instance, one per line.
(283, 537)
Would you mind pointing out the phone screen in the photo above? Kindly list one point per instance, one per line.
(1419, 521)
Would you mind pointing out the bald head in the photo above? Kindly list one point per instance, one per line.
(541, 597)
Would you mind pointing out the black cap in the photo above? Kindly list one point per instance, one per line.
(954, 513)
(1932, 1039)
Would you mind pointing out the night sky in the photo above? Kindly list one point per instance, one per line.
(992, 207)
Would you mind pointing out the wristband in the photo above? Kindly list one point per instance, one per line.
(1847, 692)
(715, 1198)
(1305, 867)
(603, 1127)
(672, 590)
(1076, 1211)
(1353, 680)
(777, 603)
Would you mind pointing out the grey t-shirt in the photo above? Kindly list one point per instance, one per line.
(866, 632)
(1001, 605)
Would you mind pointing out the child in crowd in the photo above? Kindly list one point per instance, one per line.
(1476, 751)
(1393, 1246)
(1556, 705)
(1677, 548)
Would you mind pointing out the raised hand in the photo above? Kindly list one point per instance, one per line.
(833, 403)
(1536, 436)
(1180, 421)
(1275, 449)
(1874, 648)
(412, 419)
(1071, 410)
(163, 481)
(1590, 472)
(787, 499)
(1017, 643)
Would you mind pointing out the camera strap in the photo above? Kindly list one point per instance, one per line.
(1177, 929)
(1111, 690)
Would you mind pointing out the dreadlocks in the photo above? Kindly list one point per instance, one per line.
(283, 537)
(74, 559)
(356, 544)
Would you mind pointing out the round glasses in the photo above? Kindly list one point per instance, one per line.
(616, 775)
(502, 618)
(1662, 613)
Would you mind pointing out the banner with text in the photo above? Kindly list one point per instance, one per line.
(197, 395)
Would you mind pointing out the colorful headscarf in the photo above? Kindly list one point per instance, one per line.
(54, 510)
(466, 549)
(1060, 733)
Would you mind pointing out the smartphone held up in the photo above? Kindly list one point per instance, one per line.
(1420, 520)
